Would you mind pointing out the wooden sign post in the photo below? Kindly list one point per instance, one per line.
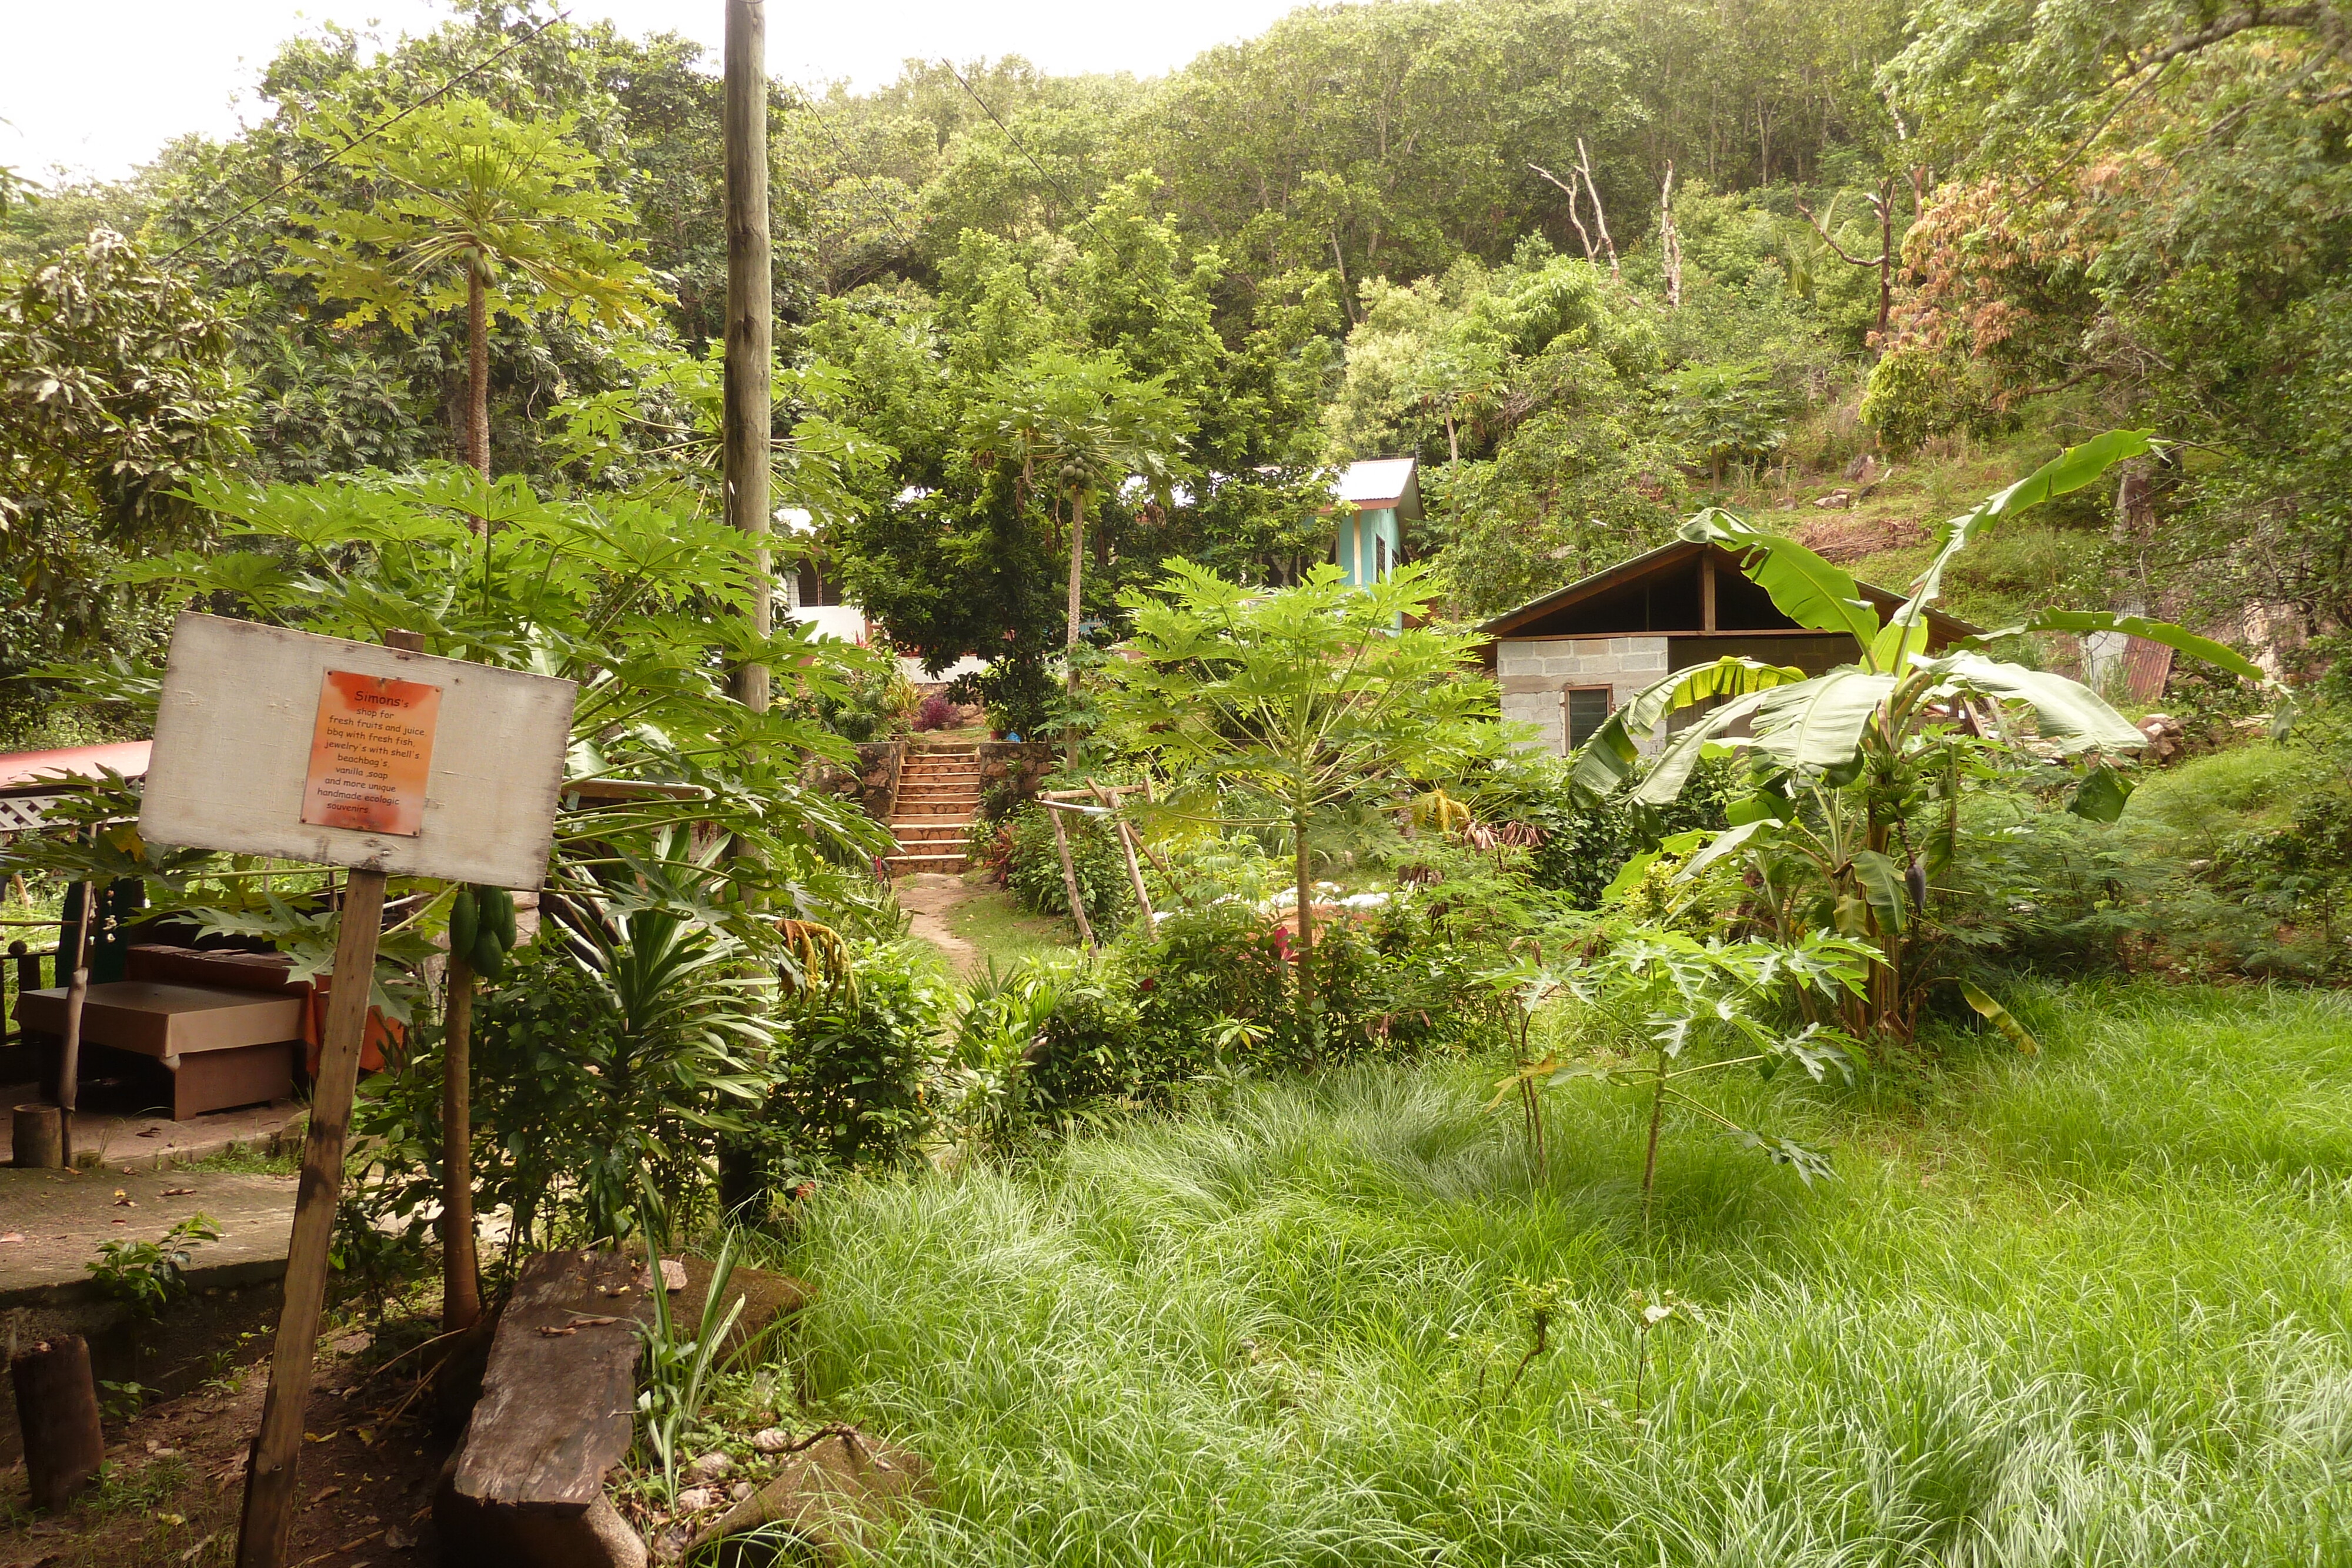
(381, 759)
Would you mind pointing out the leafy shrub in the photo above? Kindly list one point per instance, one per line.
(936, 713)
(606, 1064)
(854, 1062)
(1585, 842)
(873, 705)
(1033, 867)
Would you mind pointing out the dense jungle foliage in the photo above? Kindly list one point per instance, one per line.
(1593, 260)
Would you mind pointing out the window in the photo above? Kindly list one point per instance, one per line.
(1379, 561)
(1587, 709)
(817, 592)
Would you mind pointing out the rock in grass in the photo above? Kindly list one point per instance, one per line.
(771, 1439)
(829, 1491)
(711, 1466)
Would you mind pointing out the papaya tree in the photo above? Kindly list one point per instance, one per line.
(1271, 709)
(470, 208)
(1860, 772)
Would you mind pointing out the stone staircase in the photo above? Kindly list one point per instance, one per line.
(939, 797)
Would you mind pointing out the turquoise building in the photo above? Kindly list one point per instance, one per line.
(1371, 502)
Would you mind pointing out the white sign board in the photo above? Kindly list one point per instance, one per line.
(271, 742)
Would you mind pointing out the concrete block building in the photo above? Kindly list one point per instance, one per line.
(1567, 661)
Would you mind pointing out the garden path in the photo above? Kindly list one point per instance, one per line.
(927, 896)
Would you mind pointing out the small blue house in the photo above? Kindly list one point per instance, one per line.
(1371, 503)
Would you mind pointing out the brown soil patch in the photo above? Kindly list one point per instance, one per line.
(174, 1479)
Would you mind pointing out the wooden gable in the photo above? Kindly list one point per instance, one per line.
(1680, 590)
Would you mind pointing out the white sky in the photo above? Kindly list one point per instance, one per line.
(99, 86)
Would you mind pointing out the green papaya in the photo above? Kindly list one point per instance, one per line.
(490, 955)
(501, 902)
(464, 922)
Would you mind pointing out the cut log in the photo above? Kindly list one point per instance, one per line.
(486, 1535)
(57, 1409)
(556, 1406)
(39, 1133)
(828, 1494)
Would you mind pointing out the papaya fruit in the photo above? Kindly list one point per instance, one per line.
(464, 922)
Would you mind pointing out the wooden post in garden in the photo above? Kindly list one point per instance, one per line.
(267, 1527)
(1109, 798)
(748, 402)
(69, 1052)
(412, 766)
(1070, 874)
(57, 1411)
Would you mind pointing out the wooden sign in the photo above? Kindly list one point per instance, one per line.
(276, 742)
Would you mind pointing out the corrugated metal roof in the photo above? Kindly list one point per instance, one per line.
(127, 758)
(1376, 481)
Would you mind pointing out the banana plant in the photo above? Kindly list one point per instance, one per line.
(1845, 762)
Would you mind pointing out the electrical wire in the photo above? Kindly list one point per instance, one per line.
(1086, 219)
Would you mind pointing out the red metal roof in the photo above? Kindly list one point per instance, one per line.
(127, 758)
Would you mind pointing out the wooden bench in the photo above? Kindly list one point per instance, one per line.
(222, 1047)
(526, 1489)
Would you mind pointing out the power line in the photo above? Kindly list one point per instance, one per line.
(1084, 218)
(370, 133)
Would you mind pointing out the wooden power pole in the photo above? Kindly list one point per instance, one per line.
(749, 331)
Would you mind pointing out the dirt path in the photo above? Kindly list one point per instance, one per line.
(927, 898)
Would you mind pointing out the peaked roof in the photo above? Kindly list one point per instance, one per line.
(1665, 562)
(1382, 482)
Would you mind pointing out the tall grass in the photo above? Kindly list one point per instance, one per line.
(2088, 1308)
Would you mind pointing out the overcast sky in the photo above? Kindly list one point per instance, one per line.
(99, 87)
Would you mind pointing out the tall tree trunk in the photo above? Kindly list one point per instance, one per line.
(461, 1284)
(1070, 643)
(477, 376)
(1311, 1027)
(1077, 565)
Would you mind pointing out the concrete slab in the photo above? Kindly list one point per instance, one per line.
(125, 1141)
(52, 1223)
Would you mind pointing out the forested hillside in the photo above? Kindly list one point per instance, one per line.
(1595, 261)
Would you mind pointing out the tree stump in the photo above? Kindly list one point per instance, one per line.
(57, 1409)
(38, 1135)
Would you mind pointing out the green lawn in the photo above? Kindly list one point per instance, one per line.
(1003, 932)
(2086, 1309)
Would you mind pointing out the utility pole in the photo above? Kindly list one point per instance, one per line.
(743, 454)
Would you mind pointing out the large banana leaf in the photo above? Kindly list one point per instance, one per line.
(1807, 589)
(1673, 769)
(1615, 753)
(2178, 638)
(1817, 726)
(2070, 470)
(2076, 717)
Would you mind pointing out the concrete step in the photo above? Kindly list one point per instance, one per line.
(901, 865)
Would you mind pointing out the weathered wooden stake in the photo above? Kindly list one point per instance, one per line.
(1127, 846)
(266, 1530)
(77, 994)
(56, 1411)
(1070, 878)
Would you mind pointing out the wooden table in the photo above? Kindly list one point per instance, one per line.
(222, 1047)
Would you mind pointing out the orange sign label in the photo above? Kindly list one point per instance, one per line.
(370, 753)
